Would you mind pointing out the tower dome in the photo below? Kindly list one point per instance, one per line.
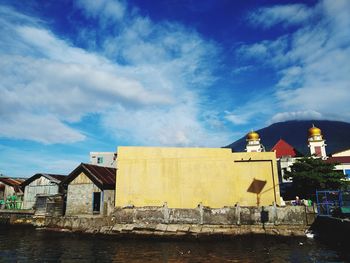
(252, 136)
(317, 144)
(314, 131)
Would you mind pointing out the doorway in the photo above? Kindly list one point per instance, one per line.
(96, 202)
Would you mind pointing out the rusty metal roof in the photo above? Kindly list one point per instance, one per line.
(14, 182)
(103, 177)
(338, 159)
(11, 181)
(55, 178)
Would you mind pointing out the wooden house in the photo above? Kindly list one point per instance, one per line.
(41, 185)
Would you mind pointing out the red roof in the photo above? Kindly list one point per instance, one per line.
(340, 159)
(103, 177)
(282, 148)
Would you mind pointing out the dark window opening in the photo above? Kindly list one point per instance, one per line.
(96, 205)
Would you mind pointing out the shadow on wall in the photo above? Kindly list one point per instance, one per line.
(256, 187)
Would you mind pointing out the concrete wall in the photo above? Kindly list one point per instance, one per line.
(42, 185)
(187, 177)
(108, 201)
(291, 215)
(163, 222)
(107, 159)
(80, 197)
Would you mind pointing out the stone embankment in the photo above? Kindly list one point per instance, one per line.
(197, 223)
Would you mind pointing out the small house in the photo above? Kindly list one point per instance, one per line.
(10, 193)
(90, 190)
(39, 186)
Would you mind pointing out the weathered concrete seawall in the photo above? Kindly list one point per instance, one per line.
(24, 217)
(200, 222)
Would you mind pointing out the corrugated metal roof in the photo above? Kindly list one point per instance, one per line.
(105, 174)
(11, 181)
(56, 178)
(340, 159)
(103, 177)
(14, 182)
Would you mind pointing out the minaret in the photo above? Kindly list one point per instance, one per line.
(253, 142)
(317, 144)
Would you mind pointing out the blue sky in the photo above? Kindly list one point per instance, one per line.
(88, 75)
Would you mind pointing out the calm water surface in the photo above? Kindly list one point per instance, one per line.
(19, 244)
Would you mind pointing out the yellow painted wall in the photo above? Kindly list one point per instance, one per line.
(185, 177)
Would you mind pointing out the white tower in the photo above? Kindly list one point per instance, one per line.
(253, 142)
(317, 144)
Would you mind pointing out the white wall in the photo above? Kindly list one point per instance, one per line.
(106, 159)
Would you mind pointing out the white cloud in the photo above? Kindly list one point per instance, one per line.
(18, 162)
(175, 126)
(292, 14)
(236, 119)
(267, 52)
(312, 65)
(142, 71)
(105, 10)
(41, 128)
(297, 115)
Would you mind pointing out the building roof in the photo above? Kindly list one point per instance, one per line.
(283, 148)
(14, 182)
(340, 159)
(344, 152)
(103, 177)
(55, 178)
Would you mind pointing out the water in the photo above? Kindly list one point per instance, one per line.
(19, 244)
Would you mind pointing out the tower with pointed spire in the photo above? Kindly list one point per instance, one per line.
(317, 144)
(253, 142)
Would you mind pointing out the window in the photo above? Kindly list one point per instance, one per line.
(318, 151)
(347, 173)
(99, 159)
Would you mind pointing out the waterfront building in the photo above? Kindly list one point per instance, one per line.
(342, 159)
(106, 159)
(191, 177)
(10, 192)
(38, 188)
(90, 190)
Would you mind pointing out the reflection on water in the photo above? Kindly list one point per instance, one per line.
(19, 244)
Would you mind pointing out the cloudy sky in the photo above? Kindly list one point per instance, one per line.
(90, 75)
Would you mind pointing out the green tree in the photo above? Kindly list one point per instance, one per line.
(310, 174)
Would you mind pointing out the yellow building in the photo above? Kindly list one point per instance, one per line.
(187, 177)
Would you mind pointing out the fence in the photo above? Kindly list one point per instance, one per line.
(332, 202)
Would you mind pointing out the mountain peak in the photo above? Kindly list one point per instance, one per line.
(295, 133)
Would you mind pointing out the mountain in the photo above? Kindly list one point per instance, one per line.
(336, 134)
